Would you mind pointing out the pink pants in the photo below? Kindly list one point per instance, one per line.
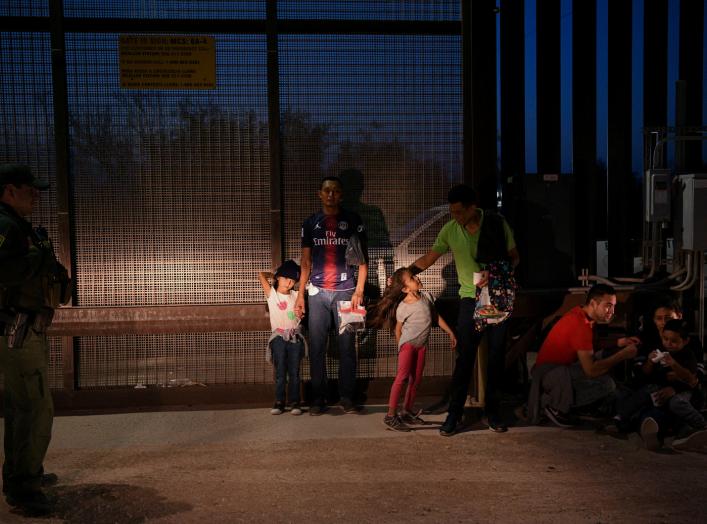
(411, 363)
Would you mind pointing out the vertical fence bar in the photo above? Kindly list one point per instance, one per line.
(691, 65)
(620, 213)
(479, 81)
(512, 88)
(274, 138)
(548, 80)
(584, 130)
(63, 184)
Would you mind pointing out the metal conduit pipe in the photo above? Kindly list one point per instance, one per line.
(687, 285)
(676, 138)
(653, 250)
(627, 283)
(701, 315)
(690, 276)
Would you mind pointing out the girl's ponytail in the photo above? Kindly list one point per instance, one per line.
(382, 313)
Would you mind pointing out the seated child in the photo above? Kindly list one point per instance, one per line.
(651, 331)
(286, 344)
(671, 392)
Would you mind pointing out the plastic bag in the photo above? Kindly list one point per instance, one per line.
(485, 310)
(350, 319)
(354, 252)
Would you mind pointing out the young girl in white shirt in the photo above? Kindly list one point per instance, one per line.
(286, 344)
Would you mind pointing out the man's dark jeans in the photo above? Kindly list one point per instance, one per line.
(322, 308)
(467, 346)
(588, 390)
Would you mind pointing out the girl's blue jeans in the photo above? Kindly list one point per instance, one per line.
(286, 356)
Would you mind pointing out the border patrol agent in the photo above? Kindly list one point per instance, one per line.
(32, 284)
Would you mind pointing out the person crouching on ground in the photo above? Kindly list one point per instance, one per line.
(286, 344)
(672, 394)
(567, 373)
(412, 312)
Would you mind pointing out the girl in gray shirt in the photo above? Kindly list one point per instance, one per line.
(410, 312)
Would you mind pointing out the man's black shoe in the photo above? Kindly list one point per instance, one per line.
(497, 426)
(317, 409)
(348, 406)
(450, 427)
(34, 503)
(49, 479)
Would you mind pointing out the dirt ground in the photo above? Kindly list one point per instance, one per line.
(249, 466)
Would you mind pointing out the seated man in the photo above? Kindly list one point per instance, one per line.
(567, 373)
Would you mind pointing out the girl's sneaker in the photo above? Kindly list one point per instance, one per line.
(395, 424)
(278, 408)
(412, 419)
(295, 409)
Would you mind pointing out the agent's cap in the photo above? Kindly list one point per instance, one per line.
(18, 174)
(288, 269)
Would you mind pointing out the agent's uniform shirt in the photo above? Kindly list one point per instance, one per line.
(20, 266)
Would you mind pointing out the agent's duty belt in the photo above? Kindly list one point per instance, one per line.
(18, 324)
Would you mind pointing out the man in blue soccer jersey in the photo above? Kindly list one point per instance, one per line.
(325, 237)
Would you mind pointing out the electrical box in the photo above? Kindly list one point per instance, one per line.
(690, 219)
(657, 197)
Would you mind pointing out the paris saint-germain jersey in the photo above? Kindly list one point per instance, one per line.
(328, 236)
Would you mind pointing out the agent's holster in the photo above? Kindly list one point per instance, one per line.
(17, 326)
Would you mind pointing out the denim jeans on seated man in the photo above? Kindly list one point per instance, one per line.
(286, 356)
(587, 390)
(322, 309)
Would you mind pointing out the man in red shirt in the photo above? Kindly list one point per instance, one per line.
(568, 350)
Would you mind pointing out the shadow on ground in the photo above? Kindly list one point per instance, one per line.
(115, 503)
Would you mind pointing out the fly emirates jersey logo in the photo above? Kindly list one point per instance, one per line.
(330, 239)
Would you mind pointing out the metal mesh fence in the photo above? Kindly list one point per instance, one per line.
(171, 188)
(26, 114)
(26, 122)
(226, 358)
(378, 355)
(24, 8)
(383, 113)
(427, 10)
(56, 368)
(167, 9)
(207, 358)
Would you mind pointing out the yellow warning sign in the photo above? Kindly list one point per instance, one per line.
(167, 62)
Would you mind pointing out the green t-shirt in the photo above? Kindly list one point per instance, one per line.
(464, 245)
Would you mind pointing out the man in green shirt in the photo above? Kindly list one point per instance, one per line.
(475, 238)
